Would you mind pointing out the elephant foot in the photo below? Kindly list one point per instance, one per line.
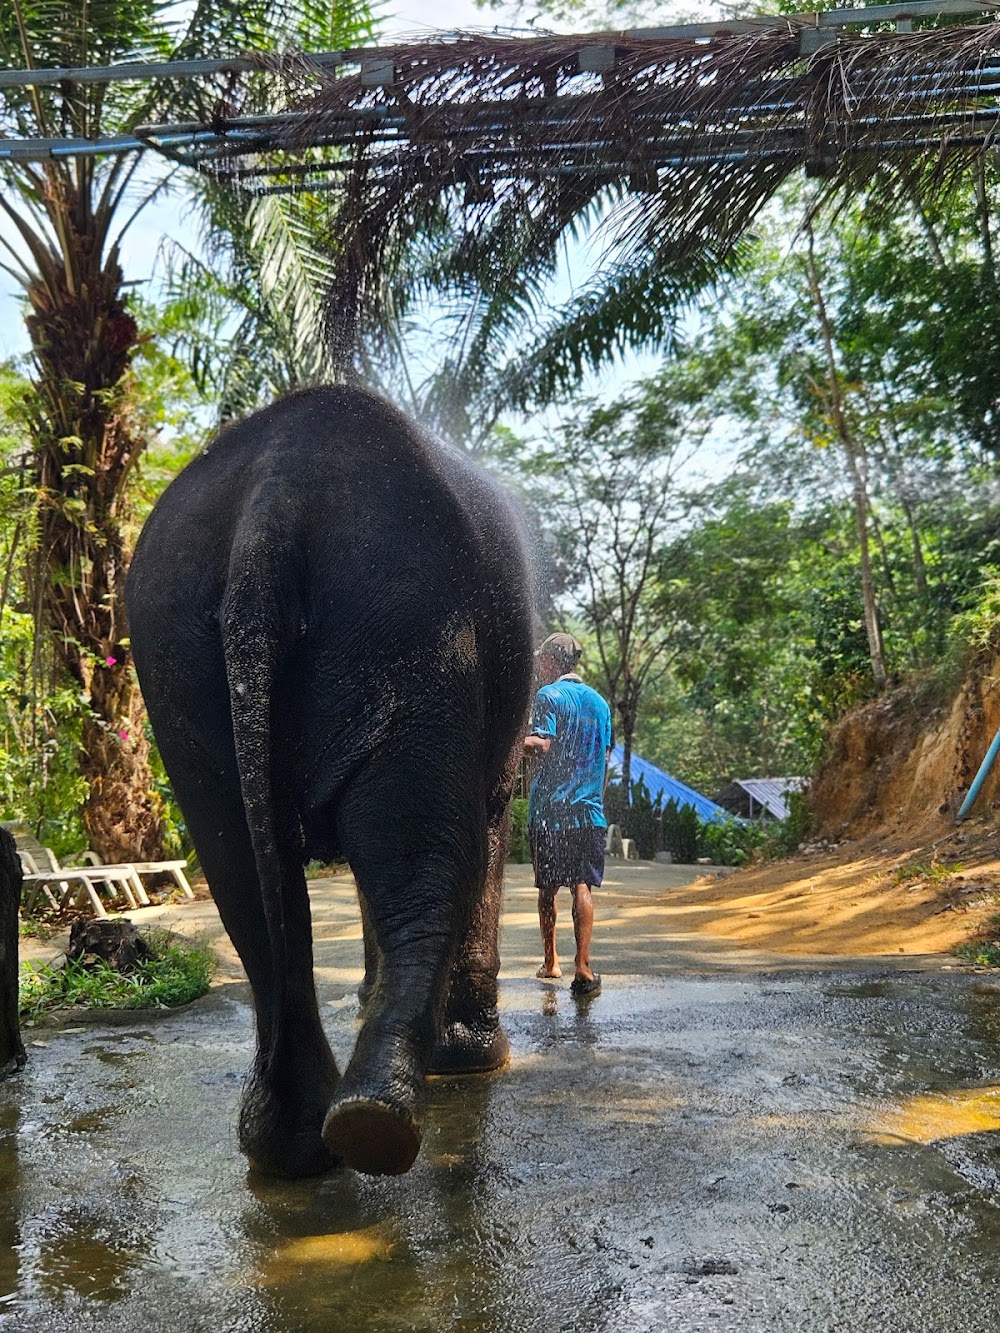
(13, 1064)
(470, 1048)
(303, 1155)
(372, 1136)
(283, 1140)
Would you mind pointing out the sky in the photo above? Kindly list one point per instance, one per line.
(415, 16)
(168, 217)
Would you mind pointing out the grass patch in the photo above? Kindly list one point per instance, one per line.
(31, 927)
(984, 951)
(176, 974)
(935, 870)
(324, 869)
(984, 954)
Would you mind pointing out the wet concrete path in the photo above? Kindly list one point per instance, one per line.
(718, 1142)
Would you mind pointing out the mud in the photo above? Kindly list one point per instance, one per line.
(720, 1141)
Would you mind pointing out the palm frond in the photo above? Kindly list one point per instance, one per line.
(678, 144)
(294, 274)
(628, 306)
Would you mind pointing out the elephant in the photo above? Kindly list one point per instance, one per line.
(330, 616)
(11, 1046)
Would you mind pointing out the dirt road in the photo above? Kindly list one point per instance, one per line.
(725, 1139)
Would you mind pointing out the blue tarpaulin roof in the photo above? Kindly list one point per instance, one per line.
(662, 784)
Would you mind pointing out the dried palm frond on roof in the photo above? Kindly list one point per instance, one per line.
(676, 141)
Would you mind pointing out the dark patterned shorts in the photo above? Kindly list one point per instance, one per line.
(568, 856)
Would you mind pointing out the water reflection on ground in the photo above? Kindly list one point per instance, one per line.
(733, 1150)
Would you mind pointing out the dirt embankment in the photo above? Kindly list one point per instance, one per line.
(901, 765)
(889, 870)
(854, 899)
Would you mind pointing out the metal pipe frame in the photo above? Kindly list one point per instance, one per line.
(869, 16)
(383, 126)
(510, 136)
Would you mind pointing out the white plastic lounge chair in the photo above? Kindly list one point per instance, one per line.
(75, 881)
(176, 869)
(43, 871)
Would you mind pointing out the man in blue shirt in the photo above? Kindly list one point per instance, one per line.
(570, 736)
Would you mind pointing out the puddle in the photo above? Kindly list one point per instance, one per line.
(112, 1057)
(866, 990)
(334, 1251)
(89, 1122)
(88, 1255)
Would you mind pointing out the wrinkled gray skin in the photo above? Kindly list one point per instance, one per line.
(11, 1047)
(331, 621)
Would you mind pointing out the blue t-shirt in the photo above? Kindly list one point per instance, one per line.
(568, 788)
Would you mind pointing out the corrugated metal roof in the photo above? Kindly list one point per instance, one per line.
(662, 784)
(771, 793)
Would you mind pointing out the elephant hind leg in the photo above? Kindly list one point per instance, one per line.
(294, 1075)
(367, 988)
(373, 1131)
(418, 875)
(374, 1122)
(471, 1039)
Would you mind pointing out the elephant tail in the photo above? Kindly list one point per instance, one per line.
(256, 631)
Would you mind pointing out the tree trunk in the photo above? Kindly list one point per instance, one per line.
(122, 813)
(83, 338)
(873, 629)
(983, 214)
(919, 564)
(11, 1047)
(628, 714)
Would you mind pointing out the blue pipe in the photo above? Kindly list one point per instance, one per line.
(980, 777)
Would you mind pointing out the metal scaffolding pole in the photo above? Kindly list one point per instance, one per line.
(377, 116)
(869, 16)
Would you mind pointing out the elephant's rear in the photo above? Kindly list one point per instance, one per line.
(379, 539)
(331, 621)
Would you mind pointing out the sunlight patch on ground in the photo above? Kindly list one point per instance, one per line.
(338, 1249)
(322, 932)
(340, 976)
(930, 1117)
(649, 1110)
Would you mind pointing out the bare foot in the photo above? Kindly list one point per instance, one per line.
(549, 974)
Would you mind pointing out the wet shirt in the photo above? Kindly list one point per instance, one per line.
(568, 788)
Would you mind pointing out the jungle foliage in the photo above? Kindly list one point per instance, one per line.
(756, 589)
(79, 431)
(676, 828)
(798, 505)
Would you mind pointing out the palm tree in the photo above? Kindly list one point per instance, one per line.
(66, 220)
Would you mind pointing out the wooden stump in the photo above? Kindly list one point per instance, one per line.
(116, 943)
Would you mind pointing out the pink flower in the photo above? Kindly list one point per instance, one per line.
(123, 735)
(111, 661)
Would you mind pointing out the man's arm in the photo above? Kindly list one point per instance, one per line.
(543, 726)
